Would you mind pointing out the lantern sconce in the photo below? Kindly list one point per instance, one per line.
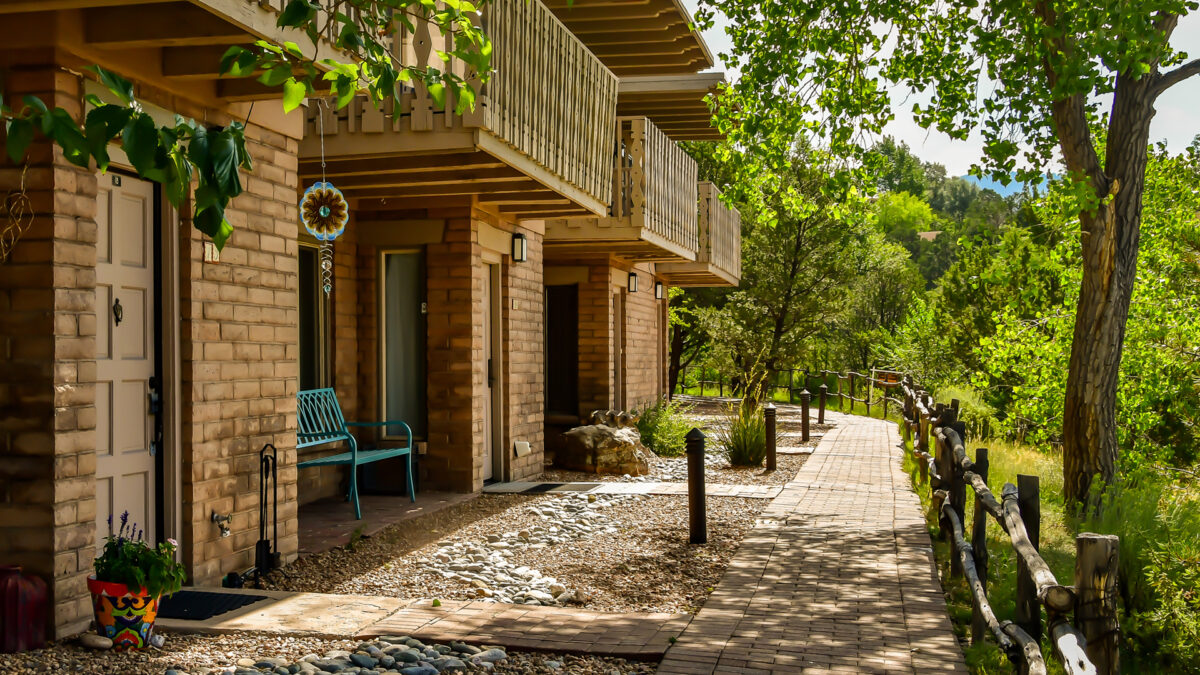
(658, 290)
(633, 282)
(520, 248)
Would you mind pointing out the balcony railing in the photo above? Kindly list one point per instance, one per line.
(655, 183)
(549, 100)
(719, 260)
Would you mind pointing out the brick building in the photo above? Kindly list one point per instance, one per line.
(570, 155)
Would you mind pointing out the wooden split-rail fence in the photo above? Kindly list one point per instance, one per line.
(877, 389)
(1082, 619)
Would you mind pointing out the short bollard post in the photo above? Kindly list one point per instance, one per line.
(697, 517)
(805, 400)
(823, 392)
(769, 416)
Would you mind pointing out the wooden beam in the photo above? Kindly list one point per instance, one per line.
(401, 164)
(464, 178)
(22, 6)
(523, 197)
(250, 89)
(581, 12)
(202, 62)
(440, 190)
(173, 24)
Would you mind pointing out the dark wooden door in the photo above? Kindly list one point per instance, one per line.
(562, 349)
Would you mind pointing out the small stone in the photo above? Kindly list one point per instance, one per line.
(93, 641)
(419, 670)
(553, 665)
(450, 664)
(408, 656)
(490, 656)
(363, 660)
(591, 500)
(557, 589)
(387, 660)
(157, 641)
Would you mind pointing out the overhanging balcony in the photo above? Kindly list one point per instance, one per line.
(719, 261)
(652, 211)
(537, 144)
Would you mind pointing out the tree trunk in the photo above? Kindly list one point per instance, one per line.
(1110, 251)
(673, 366)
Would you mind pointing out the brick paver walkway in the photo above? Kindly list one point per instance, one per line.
(530, 627)
(837, 577)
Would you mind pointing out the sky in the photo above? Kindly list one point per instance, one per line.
(1177, 121)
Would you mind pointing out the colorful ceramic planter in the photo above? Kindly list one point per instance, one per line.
(123, 617)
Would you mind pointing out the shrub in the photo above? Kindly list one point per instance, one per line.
(973, 411)
(744, 437)
(664, 426)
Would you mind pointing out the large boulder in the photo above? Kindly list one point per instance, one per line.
(598, 448)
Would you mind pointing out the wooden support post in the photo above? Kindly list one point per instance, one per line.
(721, 384)
(841, 398)
(697, 510)
(1096, 557)
(979, 546)
(791, 385)
(1029, 609)
(867, 391)
(769, 416)
(823, 393)
(805, 399)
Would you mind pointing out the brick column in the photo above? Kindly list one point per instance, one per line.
(596, 341)
(456, 377)
(47, 364)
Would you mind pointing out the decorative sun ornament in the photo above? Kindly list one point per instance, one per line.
(324, 212)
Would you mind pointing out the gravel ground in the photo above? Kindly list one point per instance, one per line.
(643, 564)
(196, 654)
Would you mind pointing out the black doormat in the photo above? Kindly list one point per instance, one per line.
(201, 605)
(540, 488)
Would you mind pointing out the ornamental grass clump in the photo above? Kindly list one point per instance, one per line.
(127, 559)
(743, 439)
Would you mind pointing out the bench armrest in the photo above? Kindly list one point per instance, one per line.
(391, 423)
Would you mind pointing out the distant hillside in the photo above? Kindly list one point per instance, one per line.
(1014, 187)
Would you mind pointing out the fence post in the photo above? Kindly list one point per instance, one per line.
(823, 392)
(979, 545)
(697, 515)
(769, 416)
(958, 502)
(1029, 610)
(867, 391)
(805, 399)
(721, 384)
(1096, 557)
(791, 384)
(841, 398)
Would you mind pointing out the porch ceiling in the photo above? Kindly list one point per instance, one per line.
(675, 103)
(636, 37)
(176, 45)
(403, 183)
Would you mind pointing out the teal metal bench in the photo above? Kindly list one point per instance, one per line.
(319, 422)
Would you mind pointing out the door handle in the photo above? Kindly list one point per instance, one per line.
(118, 312)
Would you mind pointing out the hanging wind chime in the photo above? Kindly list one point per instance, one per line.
(324, 212)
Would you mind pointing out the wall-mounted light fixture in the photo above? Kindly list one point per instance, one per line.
(520, 248)
(633, 282)
(658, 290)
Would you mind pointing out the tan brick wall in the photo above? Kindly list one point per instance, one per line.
(240, 363)
(524, 357)
(47, 365)
(644, 339)
(643, 344)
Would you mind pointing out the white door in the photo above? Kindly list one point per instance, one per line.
(125, 286)
(491, 375)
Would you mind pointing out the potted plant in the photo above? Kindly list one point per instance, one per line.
(130, 578)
